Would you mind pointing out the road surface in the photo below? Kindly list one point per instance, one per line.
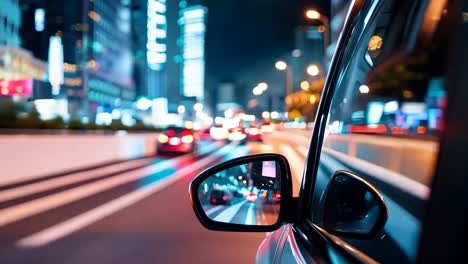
(138, 211)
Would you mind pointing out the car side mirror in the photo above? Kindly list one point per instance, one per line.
(353, 207)
(250, 193)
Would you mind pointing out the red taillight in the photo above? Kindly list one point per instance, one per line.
(185, 132)
(213, 200)
(171, 133)
(278, 195)
(224, 198)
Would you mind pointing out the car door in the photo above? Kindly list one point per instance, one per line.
(381, 118)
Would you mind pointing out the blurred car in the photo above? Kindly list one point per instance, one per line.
(176, 139)
(266, 127)
(219, 132)
(237, 134)
(274, 197)
(251, 197)
(220, 197)
(254, 134)
(204, 134)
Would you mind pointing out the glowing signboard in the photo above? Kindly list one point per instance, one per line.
(16, 87)
(156, 34)
(55, 64)
(193, 53)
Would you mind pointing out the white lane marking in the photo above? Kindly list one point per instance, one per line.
(78, 222)
(69, 179)
(304, 151)
(296, 162)
(78, 177)
(214, 209)
(43, 204)
(395, 179)
(33, 207)
(249, 220)
(227, 214)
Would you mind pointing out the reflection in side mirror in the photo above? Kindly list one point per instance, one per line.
(353, 207)
(246, 194)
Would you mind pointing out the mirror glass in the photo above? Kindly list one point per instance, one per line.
(247, 194)
(351, 206)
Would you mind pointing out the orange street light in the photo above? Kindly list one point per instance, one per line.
(313, 14)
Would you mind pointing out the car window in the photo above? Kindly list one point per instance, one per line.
(385, 119)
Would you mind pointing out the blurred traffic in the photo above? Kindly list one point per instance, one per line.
(109, 108)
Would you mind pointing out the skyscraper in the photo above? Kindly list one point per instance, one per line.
(11, 22)
(193, 27)
(96, 51)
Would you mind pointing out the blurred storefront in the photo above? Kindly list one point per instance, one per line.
(20, 72)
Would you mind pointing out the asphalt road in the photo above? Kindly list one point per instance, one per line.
(132, 212)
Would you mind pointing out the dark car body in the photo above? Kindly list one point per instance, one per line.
(175, 139)
(219, 197)
(412, 53)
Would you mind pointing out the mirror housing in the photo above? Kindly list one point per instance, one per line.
(286, 204)
(352, 207)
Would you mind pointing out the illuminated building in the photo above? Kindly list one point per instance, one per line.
(97, 51)
(193, 27)
(10, 17)
(156, 34)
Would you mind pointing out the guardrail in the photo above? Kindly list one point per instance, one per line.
(30, 156)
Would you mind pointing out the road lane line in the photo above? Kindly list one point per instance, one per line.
(249, 220)
(214, 209)
(33, 207)
(227, 214)
(38, 187)
(78, 222)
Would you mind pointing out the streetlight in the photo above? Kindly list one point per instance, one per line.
(283, 66)
(305, 85)
(364, 89)
(266, 115)
(262, 86)
(198, 107)
(315, 15)
(313, 70)
(312, 14)
(257, 90)
(181, 109)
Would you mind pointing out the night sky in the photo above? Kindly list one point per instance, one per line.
(246, 37)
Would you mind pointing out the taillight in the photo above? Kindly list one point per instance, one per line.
(224, 198)
(171, 133)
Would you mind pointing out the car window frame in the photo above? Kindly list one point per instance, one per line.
(339, 64)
